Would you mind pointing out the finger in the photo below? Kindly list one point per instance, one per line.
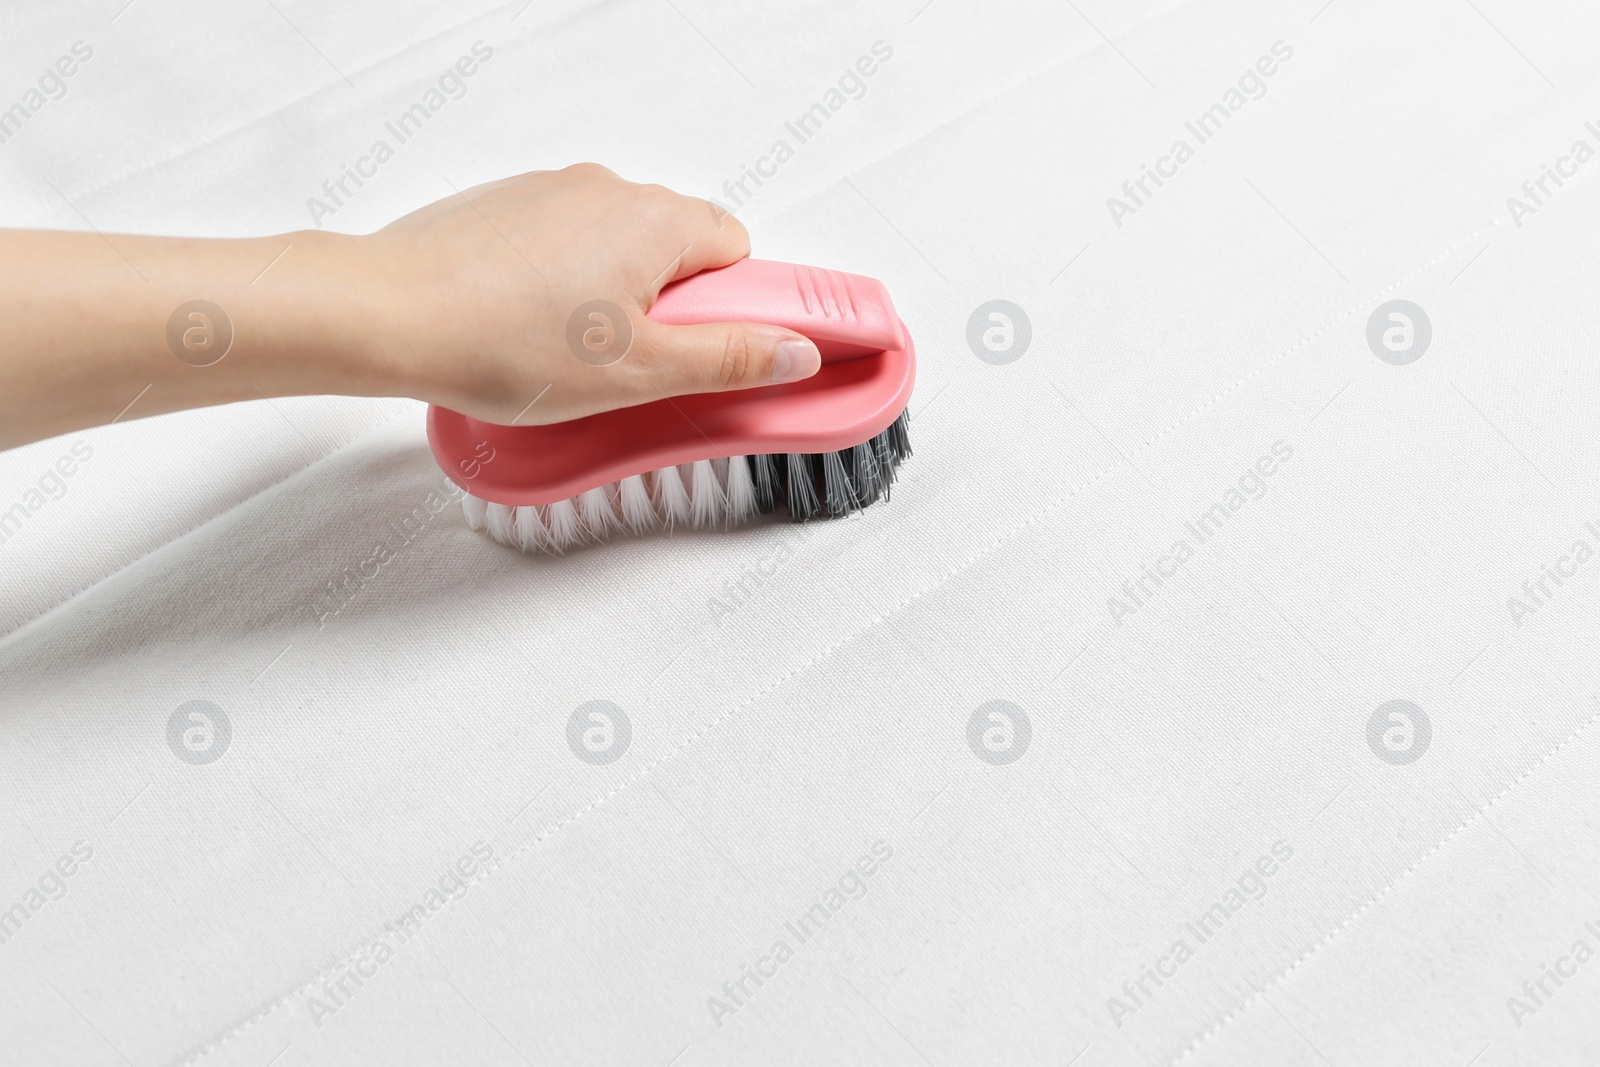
(708, 237)
(720, 356)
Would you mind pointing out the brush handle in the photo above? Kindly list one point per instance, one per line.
(848, 402)
(847, 315)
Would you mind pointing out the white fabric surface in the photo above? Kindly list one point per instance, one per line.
(797, 695)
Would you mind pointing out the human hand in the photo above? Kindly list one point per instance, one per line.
(464, 303)
(481, 288)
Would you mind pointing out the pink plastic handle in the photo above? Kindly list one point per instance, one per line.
(869, 368)
(847, 315)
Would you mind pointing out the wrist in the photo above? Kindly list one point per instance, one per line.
(313, 318)
(288, 315)
(97, 327)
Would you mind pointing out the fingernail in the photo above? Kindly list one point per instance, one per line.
(794, 360)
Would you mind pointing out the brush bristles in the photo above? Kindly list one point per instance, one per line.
(709, 501)
(637, 510)
(719, 492)
(670, 496)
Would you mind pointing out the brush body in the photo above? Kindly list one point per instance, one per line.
(822, 447)
(706, 493)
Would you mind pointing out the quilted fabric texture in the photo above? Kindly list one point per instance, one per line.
(1218, 686)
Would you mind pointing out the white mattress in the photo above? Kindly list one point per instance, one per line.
(799, 699)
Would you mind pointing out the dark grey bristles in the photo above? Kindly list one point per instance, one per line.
(838, 493)
(802, 495)
(864, 469)
(765, 473)
(899, 439)
(880, 448)
(832, 483)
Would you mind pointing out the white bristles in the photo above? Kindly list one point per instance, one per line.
(566, 529)
(637, 511)
(709, 502)
(741, 490)
(532, 535)
(706, 493)
(671, 497)
(497, 521)
(598, 512)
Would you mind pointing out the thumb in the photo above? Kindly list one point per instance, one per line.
(718, 356)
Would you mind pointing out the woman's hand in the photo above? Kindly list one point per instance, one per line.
(521, 301)
(509, 293)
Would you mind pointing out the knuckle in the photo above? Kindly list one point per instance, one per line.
(728, 232)
(661, 204)
(589, 170)
(737, 360)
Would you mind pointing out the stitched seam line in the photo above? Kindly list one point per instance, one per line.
(988, 549)
(6, 638)
(782, 208)
(1229, 1016)
(348, 958)
(268, 116)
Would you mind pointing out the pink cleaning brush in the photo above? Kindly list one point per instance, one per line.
(821, 447)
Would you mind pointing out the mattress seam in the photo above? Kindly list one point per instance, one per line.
(1258, 994)
(555, 828)
(784, 208)
(6, 637)
(267, 116)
